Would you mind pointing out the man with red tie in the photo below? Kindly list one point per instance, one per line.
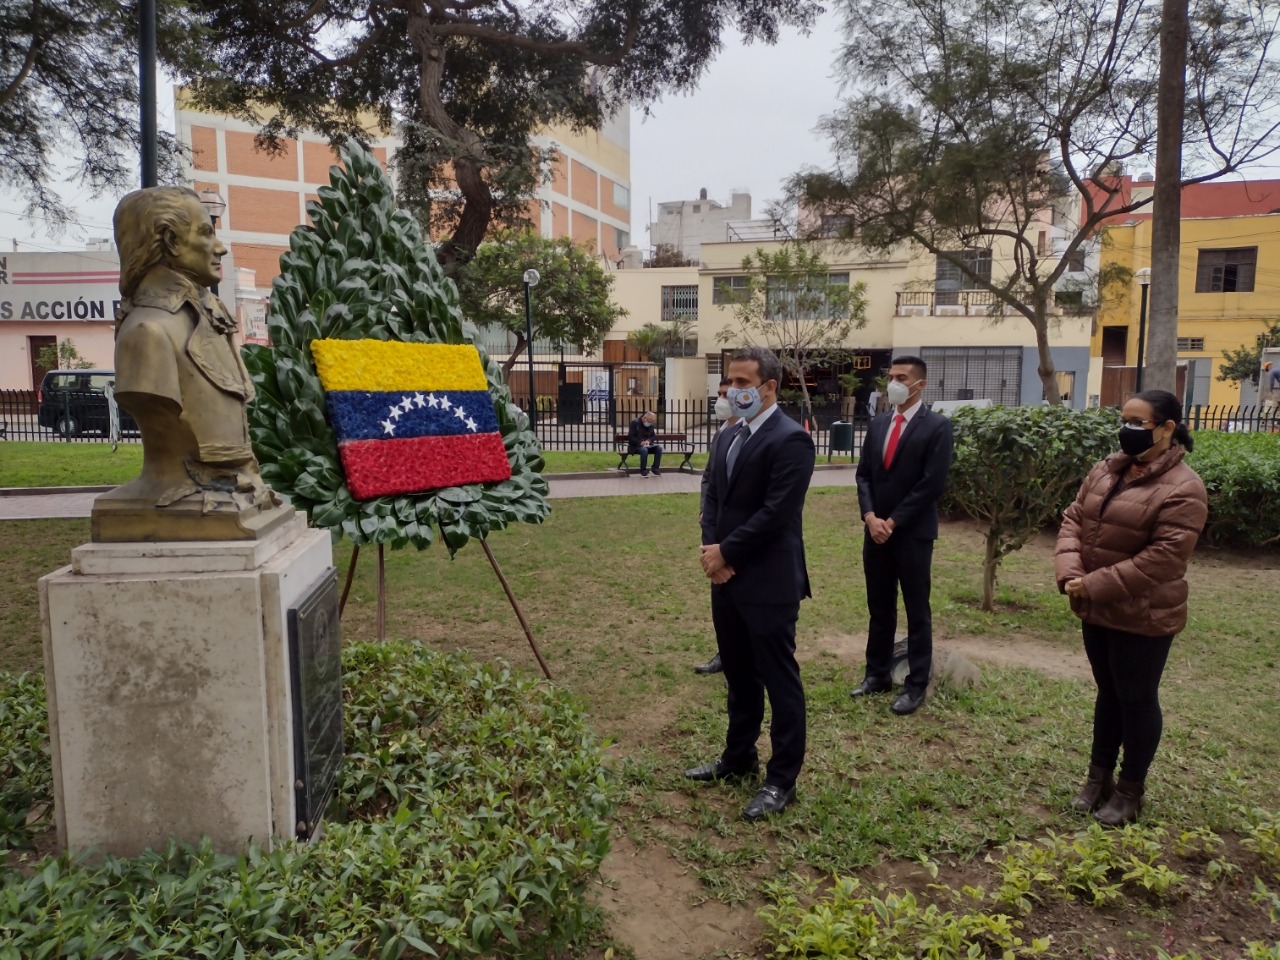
(901, 475)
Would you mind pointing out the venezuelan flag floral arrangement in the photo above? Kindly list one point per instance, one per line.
(375, 412)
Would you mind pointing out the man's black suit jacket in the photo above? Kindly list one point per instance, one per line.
(755, 516)
(909, 490)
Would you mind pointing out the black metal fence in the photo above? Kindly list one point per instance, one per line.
(84, 417)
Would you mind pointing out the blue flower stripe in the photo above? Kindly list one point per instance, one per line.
(363, 415)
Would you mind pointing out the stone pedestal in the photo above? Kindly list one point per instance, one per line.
(168, 678)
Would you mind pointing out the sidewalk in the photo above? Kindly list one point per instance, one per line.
(76, 503)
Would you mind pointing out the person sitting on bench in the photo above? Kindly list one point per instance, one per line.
(642, 439)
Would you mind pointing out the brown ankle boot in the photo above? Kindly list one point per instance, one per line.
(1096, 790)
(1124, 806)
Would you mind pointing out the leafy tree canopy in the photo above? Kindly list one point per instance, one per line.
(979, 123)
(796, 307)
(69, 87)
(570, 304)
(466, 82)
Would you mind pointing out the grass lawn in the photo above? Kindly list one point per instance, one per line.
(32, 464)
(613, 591)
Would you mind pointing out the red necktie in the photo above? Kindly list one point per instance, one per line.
(892, 448)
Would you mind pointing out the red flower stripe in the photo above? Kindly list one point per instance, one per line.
(378, 468)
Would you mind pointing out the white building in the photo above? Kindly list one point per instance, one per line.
(685, 225)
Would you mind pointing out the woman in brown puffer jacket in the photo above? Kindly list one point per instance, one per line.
(1121, 557)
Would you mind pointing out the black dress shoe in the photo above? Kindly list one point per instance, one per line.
(711, 666)
(909, 702)
(768, 801)
(718, 771)
(869, 686)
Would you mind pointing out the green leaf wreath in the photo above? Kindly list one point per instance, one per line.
(363, 271)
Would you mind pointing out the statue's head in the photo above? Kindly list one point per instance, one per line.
(166, 226)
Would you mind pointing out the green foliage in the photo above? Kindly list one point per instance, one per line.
(1096, 865)
(62, 356)
(69, 97)
(1262, 836)
(497, 826)
(1241, 472)
(1245, 363)
(843, 922)
(791, 306)
(25, 780)
(469, 84)
(362, 271)
(1017, 468)
(570, 304)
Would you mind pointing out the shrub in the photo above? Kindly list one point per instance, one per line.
(1241, 472)
(475, 805)
(1017, 468)
(844, 922)
(25, 779)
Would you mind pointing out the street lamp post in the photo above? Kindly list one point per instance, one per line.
(531, 278)
(1143, 277)
(213, 203)
(147, 90)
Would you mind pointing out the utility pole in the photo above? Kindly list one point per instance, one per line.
(1166, 201)
(147, 90)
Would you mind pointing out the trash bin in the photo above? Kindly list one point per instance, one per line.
(840, 439)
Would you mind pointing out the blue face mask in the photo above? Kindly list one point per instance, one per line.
(745, 401)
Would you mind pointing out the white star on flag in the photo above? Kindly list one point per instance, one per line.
(471, 425)
(459, 412)
(389, 427)
(407, 405)
(394, 412)
(444, 403)
(418, 401)
(432, 401)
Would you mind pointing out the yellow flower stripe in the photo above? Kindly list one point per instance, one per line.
(392, 365)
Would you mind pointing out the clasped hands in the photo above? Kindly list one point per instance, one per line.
(713, 564)
(880, 530)
(1075, 588)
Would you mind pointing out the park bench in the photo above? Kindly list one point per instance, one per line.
(671, 443)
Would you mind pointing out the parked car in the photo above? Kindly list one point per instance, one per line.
(73, 402)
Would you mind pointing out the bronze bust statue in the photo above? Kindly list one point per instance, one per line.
(179, 373)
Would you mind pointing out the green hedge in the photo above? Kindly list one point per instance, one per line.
(1241, 472)
(475, 809)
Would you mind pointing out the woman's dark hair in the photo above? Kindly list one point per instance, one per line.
(1167, 407)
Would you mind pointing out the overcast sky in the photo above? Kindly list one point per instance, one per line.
(750, 124)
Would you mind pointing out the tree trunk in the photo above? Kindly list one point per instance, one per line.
(509, 364)
(468, 161)
(1045, 368)
(1166, 203)
(990, 566)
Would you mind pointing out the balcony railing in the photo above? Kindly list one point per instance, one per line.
(933, 303)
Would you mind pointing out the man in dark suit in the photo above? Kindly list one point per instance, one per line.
(901, 475)
(724, 415)
(753, 553)
(642, 439)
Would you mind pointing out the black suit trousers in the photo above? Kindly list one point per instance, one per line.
(757, 644)
(906, 563)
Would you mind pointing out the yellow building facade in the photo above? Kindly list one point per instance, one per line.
(1228, 288)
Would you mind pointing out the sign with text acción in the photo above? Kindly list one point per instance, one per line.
(59, 287)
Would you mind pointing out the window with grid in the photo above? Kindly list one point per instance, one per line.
(728, 290)
(680, 302)
(949, 279)
(1226, 271)
(1190, 344)
(781, 298)
(974, 373)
